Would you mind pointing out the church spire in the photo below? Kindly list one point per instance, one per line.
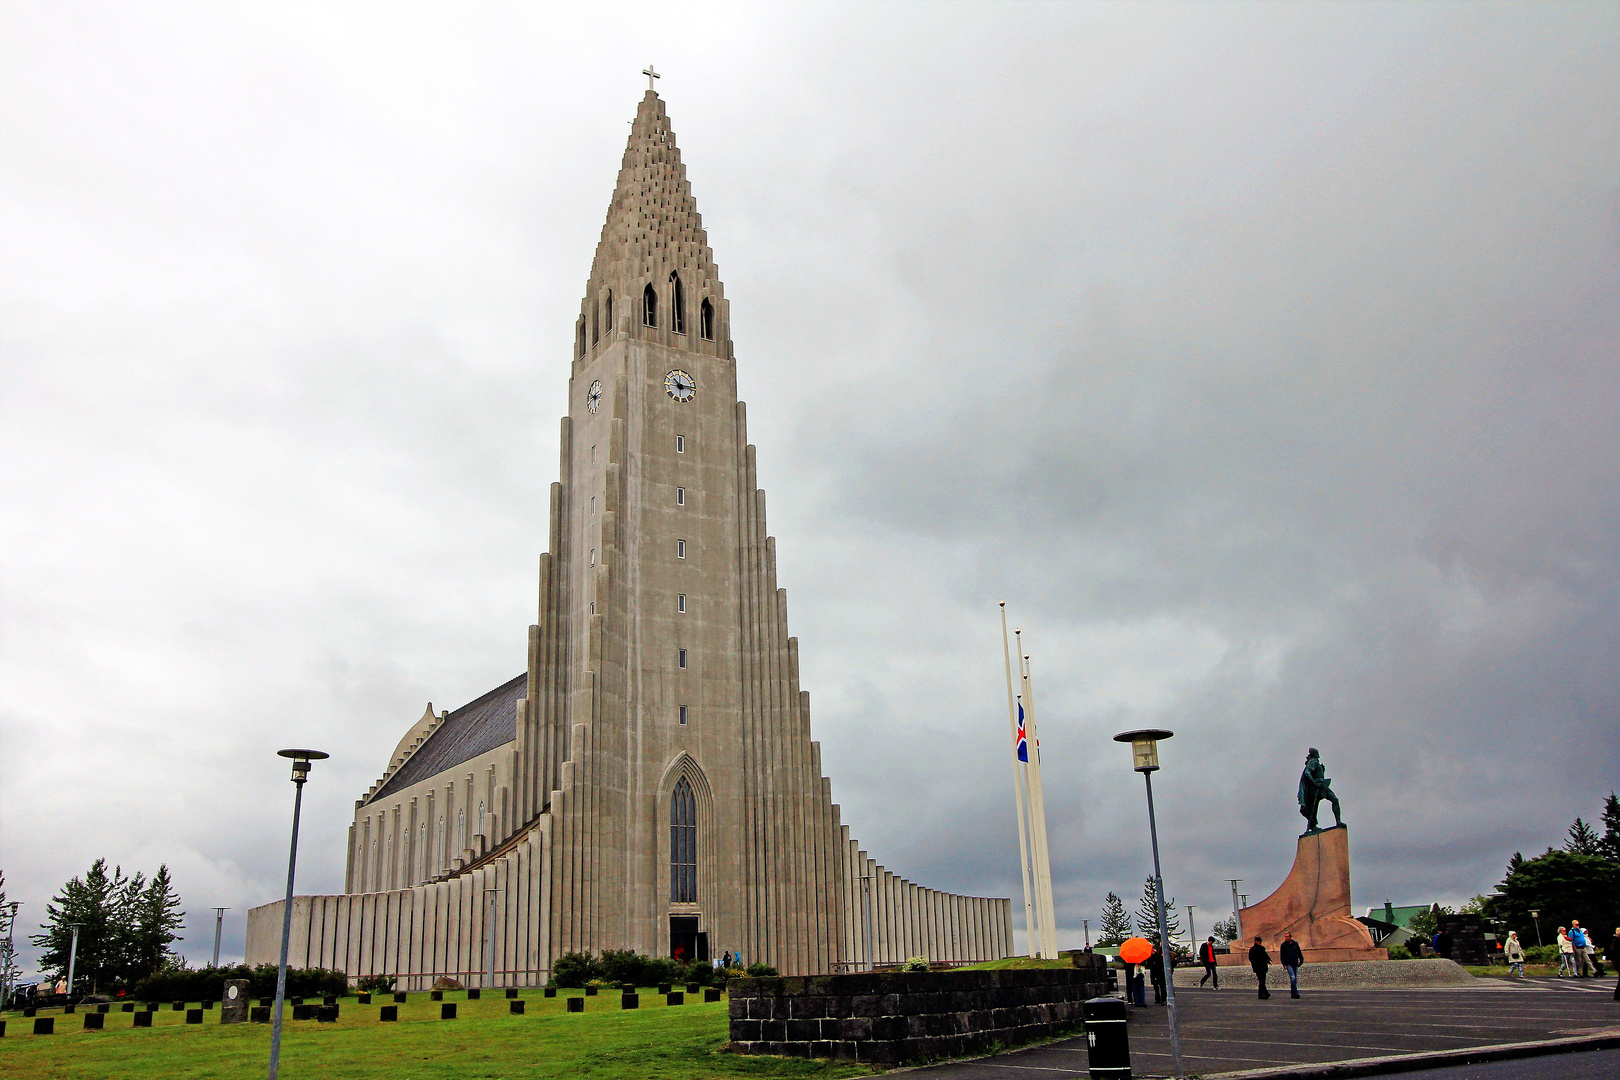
(653, 247)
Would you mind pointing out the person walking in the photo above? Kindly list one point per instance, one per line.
(1206, 956)
(1583, 949)
(1135, 988)
(1260, 960)
(1566, 952)
(1155, 966)
(1293, 958)
(1513, 952)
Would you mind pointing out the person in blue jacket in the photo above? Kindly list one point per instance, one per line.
(1293, 958)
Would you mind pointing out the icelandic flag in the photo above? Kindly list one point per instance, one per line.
(1023, 738)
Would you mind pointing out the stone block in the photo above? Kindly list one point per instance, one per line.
(326, 1014)
(511, 992)
(737, 1008)
(514, 1006)
(711, 993)
(664, 988)
(303, 1012)
(128, 1006)
(142, 1019)
(234, 1002)
(29, 1012)
(388, 1013)
(194, 1016)
(590, 991)
(692, 988)
(629, 1001)
(44, 1025)
(675, 997)
(68, 1010)
(550, 991)
(94, 1021)
(177, 1006)
(362, 998)
(447, 1010)
(745, 1030)
(103, 1007)
(436, 995)
(576, 1004)
(399, 997)
(474, 993)
(855, 1027)
(803, 1030)
(259, 1014)
(329, 999)
(773, 1031)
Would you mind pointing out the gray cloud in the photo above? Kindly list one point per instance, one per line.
(1263, 361)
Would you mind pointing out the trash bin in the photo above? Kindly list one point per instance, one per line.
(1107, 1044)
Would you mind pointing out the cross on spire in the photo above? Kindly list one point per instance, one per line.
(651, 75)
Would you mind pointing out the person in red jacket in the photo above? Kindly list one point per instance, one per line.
(1206, 956)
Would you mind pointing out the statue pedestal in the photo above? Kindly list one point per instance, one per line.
(1313, 904)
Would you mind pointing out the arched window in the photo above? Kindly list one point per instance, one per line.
(677, 310)
(461, 827)
(683, 844)
(706, 320)
(607, 313)
(649, 306)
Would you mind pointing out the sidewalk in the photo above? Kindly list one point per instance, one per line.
(1230, 1030)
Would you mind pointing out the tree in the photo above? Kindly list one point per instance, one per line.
(156, 915)
(1425, 924)
(1226, 929)
(1562, 885)
(93, 901)
(1515, 862)
(1115, 927)
(1610, 844)
(1147, 914)
(1583, 839)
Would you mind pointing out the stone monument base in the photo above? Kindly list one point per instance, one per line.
(1313, 904)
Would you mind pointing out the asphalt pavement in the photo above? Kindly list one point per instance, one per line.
(1231, 1030)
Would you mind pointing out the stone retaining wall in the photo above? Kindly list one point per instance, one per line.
(895, 1017)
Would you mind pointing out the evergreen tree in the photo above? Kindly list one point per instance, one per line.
(1515, 862)
(1583, 839)
(155, 915)
(93, 901)
(1609, 846)
(1226, 929)
(1115, 927)
(1147, 914)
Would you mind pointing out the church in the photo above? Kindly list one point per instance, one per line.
(649, 782)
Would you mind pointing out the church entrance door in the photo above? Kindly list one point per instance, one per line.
(686, 942)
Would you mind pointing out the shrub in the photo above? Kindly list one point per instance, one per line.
(576, 969)
(758, 971)
(915, 963)
(208, 984)
(376, 984)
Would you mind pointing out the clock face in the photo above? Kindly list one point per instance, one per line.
(593, 396)
(680, 386)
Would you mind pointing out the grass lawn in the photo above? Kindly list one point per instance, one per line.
(1018, 962)
(655, 1042)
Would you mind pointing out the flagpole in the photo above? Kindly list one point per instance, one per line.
(1043, 880)
(1018, 791)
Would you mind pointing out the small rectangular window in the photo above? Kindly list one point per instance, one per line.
(593, 453)
(593, 556)
(680, 550)
(683, 716)
(680, 496)
(593, 607)
(683, 658)
(680, 603)
(593, 504)
(680, 445)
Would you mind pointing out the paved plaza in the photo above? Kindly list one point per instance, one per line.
(1231, 1030)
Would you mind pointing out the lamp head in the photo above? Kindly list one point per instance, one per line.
(301, 760)
(1144, 747)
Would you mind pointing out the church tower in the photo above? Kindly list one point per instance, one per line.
(650, 782)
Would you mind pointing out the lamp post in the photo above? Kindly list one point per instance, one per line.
(8, 915)
(1192, 931)
(1085, 926)
(489, 934)
(1237, 919)
(1535, 917)
(219, 926)
(1145, 760)
(300, 773)
(73, 958)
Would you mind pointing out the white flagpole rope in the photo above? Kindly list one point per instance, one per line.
(1018, 792)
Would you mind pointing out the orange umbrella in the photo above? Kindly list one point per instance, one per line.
(1135, 950)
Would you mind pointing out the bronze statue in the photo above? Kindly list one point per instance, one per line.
(1314, 786)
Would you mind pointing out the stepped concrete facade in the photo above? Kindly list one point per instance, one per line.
(649, 782)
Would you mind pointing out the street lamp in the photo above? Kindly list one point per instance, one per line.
(1145, 760)
(1085, 926)
(300, 773)
(1535, 916)
(219, 925)
(1192, 931)
(1237, 915)
(73, 957)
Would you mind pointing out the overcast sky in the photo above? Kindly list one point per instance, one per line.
(1262, 358)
